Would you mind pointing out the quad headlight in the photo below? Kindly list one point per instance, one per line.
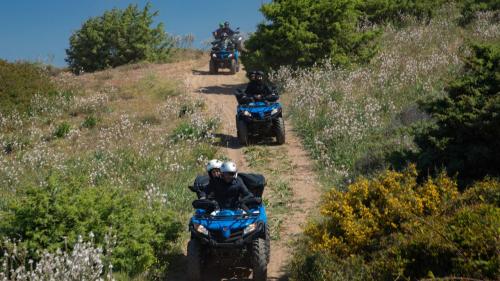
(214, 55)
(274, 111)
(247, 113)
(230, 55)
(250, 228)
(200, 229)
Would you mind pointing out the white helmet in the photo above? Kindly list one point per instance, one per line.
(213, 164)
(229, 167)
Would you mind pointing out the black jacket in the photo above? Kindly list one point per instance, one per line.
(255, 88)
(218, 33)
(227, 195)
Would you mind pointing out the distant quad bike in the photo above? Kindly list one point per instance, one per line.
(229, 237)
(225, 54)
(259, 118)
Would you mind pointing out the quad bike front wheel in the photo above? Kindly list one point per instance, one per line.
(259, 259)
(279, 130)
(194, 260)
(213, 67)
(242, 132)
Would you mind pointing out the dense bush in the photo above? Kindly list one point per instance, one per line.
(118, 37)
(51, 216)
(302, 32)
(391, 226)
(466, 136)
(20, 82)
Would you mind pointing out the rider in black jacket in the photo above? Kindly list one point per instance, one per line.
(229, 190)
(257, 87)
(223, 28)
(213, 177)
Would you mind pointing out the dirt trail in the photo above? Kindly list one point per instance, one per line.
(217, 91)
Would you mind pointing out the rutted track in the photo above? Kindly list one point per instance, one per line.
(217, 91)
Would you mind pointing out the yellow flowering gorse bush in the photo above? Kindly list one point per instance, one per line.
(371, 209)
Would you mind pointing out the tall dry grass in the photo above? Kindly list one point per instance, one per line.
(352, 119)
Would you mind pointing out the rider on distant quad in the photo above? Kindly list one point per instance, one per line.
(229, 190)
(223, 29)
(258, 89)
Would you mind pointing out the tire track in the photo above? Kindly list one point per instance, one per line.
(217, 92)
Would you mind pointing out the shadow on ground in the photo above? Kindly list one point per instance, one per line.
(224, 89)
(204, 72)
(213, 272)
(227, 141)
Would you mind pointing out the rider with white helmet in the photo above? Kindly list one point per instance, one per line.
(213, 168)
(230, 190)
(229, 170)
(214, 176)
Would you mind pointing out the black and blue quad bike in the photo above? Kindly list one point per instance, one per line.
(225, 54)
(229, 238)
(259, 118)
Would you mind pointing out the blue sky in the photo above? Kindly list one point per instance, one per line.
(40, 30)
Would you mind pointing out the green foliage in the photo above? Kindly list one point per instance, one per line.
(302, 32)
(466, 136)
(51, 216)
(20, 82)
(392, 226)
(62, 130)
(383, 11)
(469, 8)
(305, 32)
(195, 130)
(118, 37)
(89, 122)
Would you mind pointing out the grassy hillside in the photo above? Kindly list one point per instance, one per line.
(352, 120)
(357, 121)
(113, 153)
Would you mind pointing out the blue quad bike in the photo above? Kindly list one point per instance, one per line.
(225, 54)
(228, 238)
(258, 118)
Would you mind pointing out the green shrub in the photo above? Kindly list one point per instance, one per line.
(19, 83)
(47, 217)
(89, 122)
(116, 38)
(465, 136)
(62, 130)
(392, 226)
(303, 32)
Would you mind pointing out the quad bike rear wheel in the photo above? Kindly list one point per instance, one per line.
(279, 130)
(194, 260)
(259, 259)
(242, 132)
